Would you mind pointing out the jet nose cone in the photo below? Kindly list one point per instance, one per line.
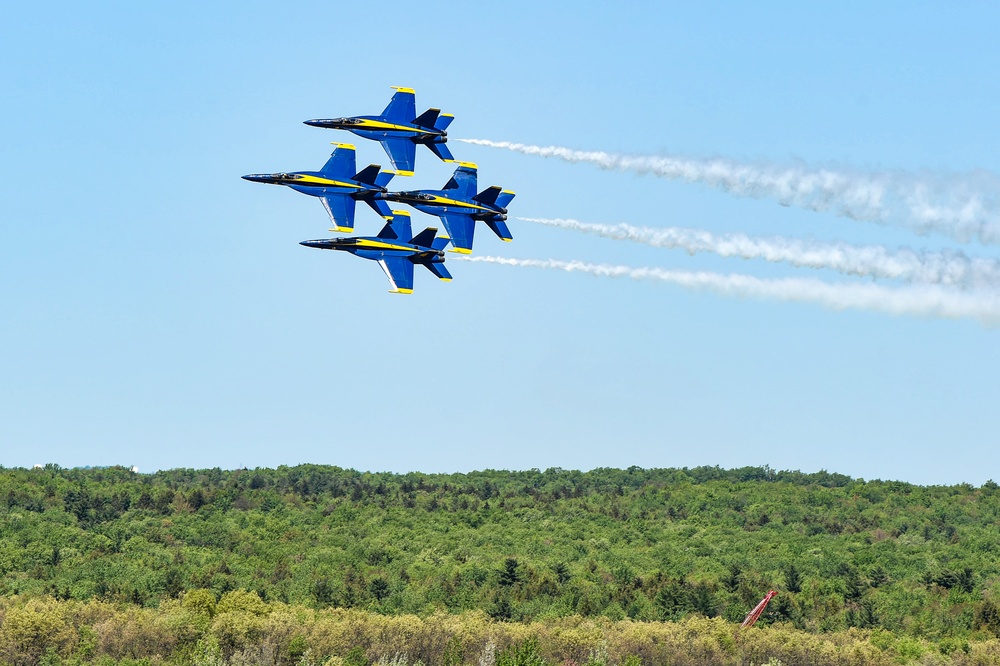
(312, 243)
(317, 123)
(257, 177)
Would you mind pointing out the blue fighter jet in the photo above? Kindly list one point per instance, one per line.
(337, 186)
(459, 207)
(399, 129)
(396, 251)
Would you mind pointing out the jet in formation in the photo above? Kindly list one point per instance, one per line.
(459, 207)
(396, 250)
(399, 129)
(337, 186)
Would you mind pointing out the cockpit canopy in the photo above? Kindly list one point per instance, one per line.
(419, 196)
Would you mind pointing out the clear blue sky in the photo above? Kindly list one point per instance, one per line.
(159, 312)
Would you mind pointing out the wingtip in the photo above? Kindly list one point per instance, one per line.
(461, 250)
(400, 291)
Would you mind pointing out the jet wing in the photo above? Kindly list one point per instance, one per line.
(340, 208)
(463, 181)
(461, 229)
(399, 270)
(402, 107)
(342, 162)
(402, 153)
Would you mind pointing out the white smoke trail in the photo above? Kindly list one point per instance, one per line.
(951, 267)
(924, 300)
(963, 207)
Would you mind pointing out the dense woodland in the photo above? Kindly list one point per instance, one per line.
(494, 568)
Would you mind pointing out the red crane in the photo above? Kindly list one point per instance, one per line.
(753, 615)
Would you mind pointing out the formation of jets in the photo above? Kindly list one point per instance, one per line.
(339, 186)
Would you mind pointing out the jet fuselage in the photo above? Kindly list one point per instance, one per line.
(378, 248)
(315, 183)
(377, 128)
(438, 202)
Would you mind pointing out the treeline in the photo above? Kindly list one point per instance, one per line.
(242, 630)
(646, 545)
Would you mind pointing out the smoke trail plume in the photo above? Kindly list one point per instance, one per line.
(951, 267)
(924, 301)
(963, 207)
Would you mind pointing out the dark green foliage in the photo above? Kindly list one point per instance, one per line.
(561, 570)
(793, 579)
(356, 657)
(509, 574)
(526, 653)
(658, 544)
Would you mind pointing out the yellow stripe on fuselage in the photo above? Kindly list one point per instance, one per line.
(325, 182)
(452, 202)
(380, 125)
(380, 245)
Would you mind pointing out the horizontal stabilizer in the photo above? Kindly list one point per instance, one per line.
(425, 237)
(442, 151)
(383, 178)
(439, 270)
(440, 243)
(495, 196)
(506, 196)
(368, 175)
(428, 118)
(499, 227)
(380, 206)
(443, 121)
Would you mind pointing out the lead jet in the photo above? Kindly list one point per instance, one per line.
(399, 129)
(396, 251)
(336, 187)
(459, 207)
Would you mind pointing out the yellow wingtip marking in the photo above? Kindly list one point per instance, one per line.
(403, 173)
(461, 250)
(401, 212)
(468, 165)
(348, 146)
(506, 240)
(345, 230)
(400, 291)
(449, 161)
(509, 192)
(448, 115)
(403, 89)
(445, 279)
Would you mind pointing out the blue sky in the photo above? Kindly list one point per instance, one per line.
(159, 312)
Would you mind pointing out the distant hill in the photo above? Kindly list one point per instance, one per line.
(650, 545)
